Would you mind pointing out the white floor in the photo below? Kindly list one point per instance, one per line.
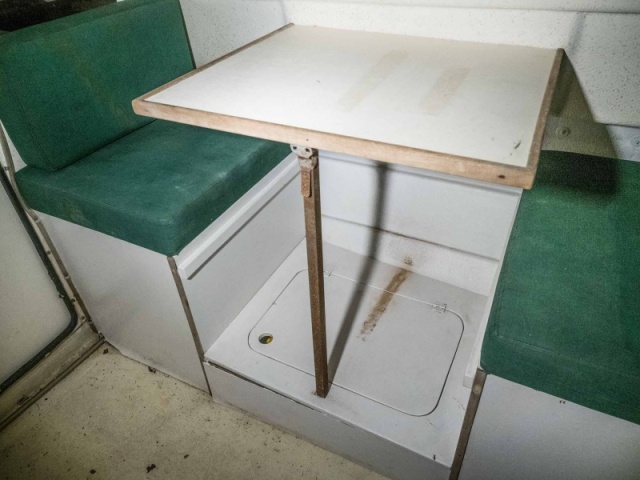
(114, 418)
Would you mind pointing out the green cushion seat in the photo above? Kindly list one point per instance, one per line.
(157, 187)
(566, 315)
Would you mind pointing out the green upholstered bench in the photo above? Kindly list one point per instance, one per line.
(566, 315)
(65, 100)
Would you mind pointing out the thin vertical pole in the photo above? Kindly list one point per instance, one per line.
(310, 189)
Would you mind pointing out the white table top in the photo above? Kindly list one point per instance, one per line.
(437, 104)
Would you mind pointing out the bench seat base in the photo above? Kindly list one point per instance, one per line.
(133, 297)
(522, 433)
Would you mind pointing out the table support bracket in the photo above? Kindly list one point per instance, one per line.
(310, 189)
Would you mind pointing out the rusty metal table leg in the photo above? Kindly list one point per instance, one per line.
(310, 188)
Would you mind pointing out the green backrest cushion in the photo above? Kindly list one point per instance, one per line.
(566, 315)
(66, 86)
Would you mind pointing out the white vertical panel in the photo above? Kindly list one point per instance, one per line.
(464, 215)
(520, 433)
(226, 280)
(605, 51)
(31, 313)
(132, 297)
(217, 27)
(542, 29)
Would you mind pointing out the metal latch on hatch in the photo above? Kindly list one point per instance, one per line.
(439, 307)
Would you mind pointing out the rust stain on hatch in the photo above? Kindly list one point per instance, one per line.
(382, 303)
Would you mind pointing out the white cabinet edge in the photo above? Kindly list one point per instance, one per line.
(474, 358)
(216, 235)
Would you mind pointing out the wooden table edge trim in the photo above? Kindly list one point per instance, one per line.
(412, 157)
(543, 115)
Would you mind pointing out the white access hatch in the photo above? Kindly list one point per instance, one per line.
(382, 344)
(397, 355)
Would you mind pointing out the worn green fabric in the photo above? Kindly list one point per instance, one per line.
(66, 86)
(566, 315)
(157, 187)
